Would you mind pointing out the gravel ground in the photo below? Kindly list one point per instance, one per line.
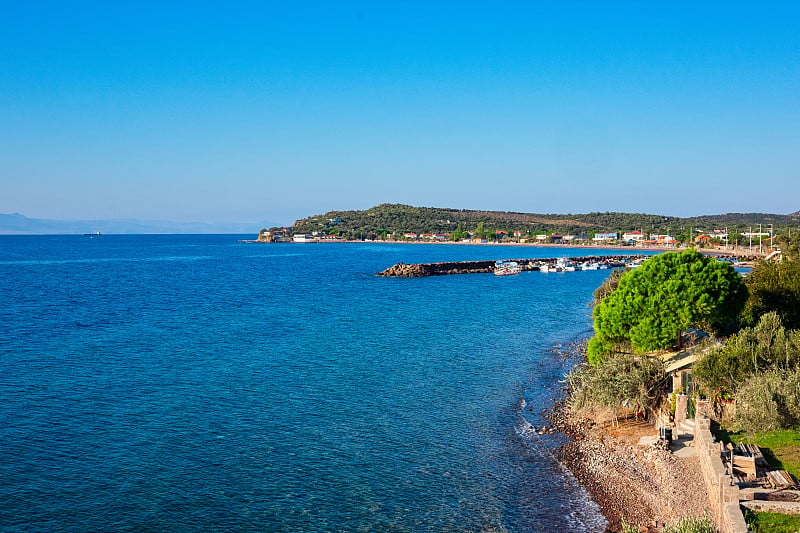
(645, 486)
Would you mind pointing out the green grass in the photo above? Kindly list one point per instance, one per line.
(772, 522)
(781, 448)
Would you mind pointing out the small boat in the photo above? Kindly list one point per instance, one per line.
(506, 268)
(95, 234)
(565, 265)
(547, 267)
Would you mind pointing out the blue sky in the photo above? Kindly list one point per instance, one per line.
(274, 111)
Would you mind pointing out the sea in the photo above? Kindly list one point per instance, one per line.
(199, 383)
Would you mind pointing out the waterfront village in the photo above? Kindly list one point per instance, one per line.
(756, 242)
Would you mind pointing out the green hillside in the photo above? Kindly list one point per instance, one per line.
(398, 219)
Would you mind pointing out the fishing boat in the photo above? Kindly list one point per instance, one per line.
(507, 268)
(564, 265)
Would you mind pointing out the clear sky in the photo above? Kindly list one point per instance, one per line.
(252, 111)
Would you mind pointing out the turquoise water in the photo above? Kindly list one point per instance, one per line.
(188, 383)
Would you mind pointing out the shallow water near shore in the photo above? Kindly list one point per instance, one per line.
(181, 383)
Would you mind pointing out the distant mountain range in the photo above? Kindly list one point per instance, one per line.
(397, 219)
(16, 224)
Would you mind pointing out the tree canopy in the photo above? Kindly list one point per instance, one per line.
(752, 351)
(774, 287)
(398, 219)
(668, 294)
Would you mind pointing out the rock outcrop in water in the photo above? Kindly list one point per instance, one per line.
(420, 270)
(403, 270)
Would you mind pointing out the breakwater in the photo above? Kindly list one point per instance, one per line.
(420, 270)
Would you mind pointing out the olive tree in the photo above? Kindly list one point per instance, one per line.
(774, 287)
(628, 380)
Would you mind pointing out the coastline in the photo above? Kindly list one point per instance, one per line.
(643, 486)
(733, 252)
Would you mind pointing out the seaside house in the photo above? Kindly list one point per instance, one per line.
(410, 235)
(606, 237)
(678, 363)
(633, 237)
(663, 241)
(702, 240)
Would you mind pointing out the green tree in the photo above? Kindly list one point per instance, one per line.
(669, 293)
(774, 287)
(458, 234)
(789, 245)
(480, 233)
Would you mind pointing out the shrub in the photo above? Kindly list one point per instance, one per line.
(752, 351)
(774, 287)
(691, 524)
(769, 401)
(623, 380)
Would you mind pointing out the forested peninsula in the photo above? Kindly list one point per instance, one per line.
(397, 222)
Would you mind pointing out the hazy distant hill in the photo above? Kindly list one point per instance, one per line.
(16, 224)
(397, 218)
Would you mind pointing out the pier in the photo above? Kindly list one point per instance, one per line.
(421, 270)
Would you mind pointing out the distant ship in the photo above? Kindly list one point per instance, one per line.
(96, 233)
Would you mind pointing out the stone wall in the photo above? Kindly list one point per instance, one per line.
(773, 507)
(722, 491)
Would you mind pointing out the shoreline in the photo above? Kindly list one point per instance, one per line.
(643, 486)
(734, 252)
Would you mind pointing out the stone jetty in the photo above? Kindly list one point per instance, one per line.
(421, 270)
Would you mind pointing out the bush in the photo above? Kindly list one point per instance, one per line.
(774, 287)
(769, 401)
(691, 524)
(752, 351)
(622, 380)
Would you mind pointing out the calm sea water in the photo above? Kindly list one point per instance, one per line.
(193, 383)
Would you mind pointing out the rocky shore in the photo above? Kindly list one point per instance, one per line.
(644, 486)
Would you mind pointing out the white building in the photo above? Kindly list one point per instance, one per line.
(304, 237)
(609, 236)
(633, 236)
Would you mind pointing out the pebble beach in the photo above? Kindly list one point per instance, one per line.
(644, 486)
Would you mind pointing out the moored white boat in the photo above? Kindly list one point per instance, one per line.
(564, 265)
(507, 268)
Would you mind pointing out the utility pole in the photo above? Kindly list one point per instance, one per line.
(750, 233)
(759, 238)
(771, 239)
